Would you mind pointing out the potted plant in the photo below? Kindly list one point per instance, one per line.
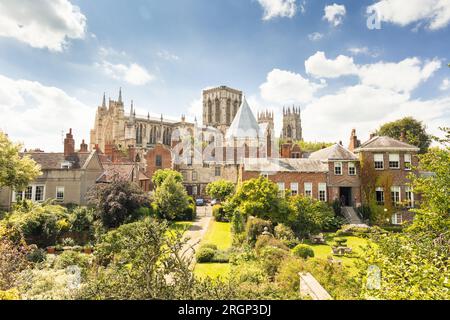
(51, 250)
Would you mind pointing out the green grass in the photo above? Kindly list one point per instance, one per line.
(324, 251)
(219, 233)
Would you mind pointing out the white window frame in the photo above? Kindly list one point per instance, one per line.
(58, 190)
(194, 176)
(397, 219)
(281, 189)
(410, 201)
(294, 188)
(351, 165)
(395, 190)
(376, 160)
(336, 166)
(394, 158)
(384, 195)
(408, 160)
(323, 191)
(33, 193)
(217, 171)
(308, 189)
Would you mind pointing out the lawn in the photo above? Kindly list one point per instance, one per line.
(219, 233)
(324, 251)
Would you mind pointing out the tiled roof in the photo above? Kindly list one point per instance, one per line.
(53, 161)
(244, 124)
(335, 152)
(116, 171)
(380, 143)
(284, 165)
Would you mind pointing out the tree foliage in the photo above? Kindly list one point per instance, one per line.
(415, 132)
(220, 190)
(161, 175)
(15, 171)
(116, 203)
(171, 198)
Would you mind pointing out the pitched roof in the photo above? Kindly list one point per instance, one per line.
(114, 171)
(383, 143)
(244, 124)
(335, 152)
(284, 165)
(53, 161)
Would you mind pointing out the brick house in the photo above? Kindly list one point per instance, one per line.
(397, 159)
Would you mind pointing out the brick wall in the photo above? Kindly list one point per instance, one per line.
(166, 159)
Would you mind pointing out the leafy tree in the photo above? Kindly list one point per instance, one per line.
(309, 216)
(161, 175)
(116, 203)
(15, 171)
(171, 198)
(313, 146)
(414, 130)
(220, 190)
(415, 264)
(259, 197)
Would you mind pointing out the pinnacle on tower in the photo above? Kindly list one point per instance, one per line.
(104, 101)
(132, 107)
(120, 95)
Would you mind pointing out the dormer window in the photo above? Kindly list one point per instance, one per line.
(66, 165)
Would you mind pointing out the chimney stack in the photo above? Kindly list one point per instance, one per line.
(83, 147)
(69, 144)
(354, 143)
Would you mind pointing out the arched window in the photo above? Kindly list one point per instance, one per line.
(228, 111)
(217, 111)
(210, 111)
(236, 106)
(289, 131)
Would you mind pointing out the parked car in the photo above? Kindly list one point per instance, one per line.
(200, 202)
(214, 202)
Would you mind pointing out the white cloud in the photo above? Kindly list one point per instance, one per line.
(278, 8)
(435, 13)
(335, 14)
(365, 108)
(404, 76)
(166, 55)
(42, 23)
(133, 73)
(315, 36)
(288, 87)
(319, 66)
(195, 110)
(36, 114)
(445, 84)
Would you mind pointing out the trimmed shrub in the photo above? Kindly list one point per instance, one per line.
(237, 223)
(271, 259)
(189, 214)
(255, 228)
(205, 255)
(269, 241)
(221, 257)
(219, 213)
(303, 251)
(283, 232)
(37, 255)
(72, 258)
(208, 246)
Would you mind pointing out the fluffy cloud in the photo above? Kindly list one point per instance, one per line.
(166, 55)
(435, 13)
(315, 36)
(319, 66)
(42, 23)
(445, 85)
(278, 8)
(36, 114)
(331, 117)
(335, 14)
(133, 73)
(288, 87)
(403, 76)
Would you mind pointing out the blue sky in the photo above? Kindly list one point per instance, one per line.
(319, 55)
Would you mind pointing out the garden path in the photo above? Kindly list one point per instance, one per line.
(198, 230)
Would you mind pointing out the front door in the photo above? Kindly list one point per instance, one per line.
(346, 196)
